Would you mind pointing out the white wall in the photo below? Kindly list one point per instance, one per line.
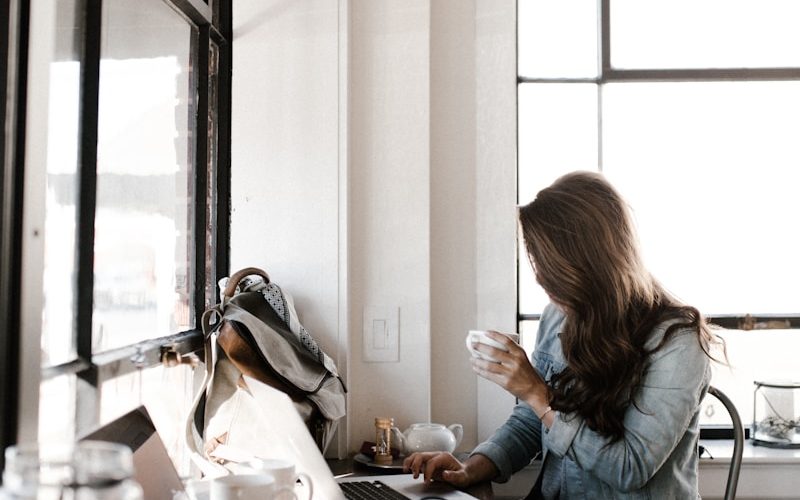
(453, 212)
(496, 183)
(390, 220)
(285, 155)
(365, 175)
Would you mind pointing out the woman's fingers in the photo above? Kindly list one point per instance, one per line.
(491, 371)
(440, 466)
(409, 466)
(436, 466)
(510, 349)
(499, 337)
(458, 477)
(516, 376)
(500, 357)
(415, 462)
(490, 351)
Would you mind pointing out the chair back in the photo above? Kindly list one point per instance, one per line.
(738, 443)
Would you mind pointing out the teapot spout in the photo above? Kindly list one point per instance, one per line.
(398, 440)
(458, 432)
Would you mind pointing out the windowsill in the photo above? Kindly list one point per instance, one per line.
(765, 472)
(722, 450)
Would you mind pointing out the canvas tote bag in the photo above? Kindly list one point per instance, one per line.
(245, 334)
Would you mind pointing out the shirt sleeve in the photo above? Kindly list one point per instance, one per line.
(667, 400)
(519, 440)
(515, 444)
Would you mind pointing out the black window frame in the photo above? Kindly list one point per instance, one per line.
(213, 21)
(13, 64)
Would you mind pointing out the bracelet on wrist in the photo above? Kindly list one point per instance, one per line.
(544, 414)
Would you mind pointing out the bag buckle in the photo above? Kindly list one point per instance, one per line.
(172, 357)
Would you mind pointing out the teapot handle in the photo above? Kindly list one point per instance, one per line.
(458, 432)
(399, 439)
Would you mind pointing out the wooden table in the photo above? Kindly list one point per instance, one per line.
(483, 490)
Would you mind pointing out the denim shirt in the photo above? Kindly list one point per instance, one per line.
(657, 456)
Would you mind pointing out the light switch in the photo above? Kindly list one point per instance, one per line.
(381, 335)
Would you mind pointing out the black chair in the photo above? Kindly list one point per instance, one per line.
(738, 443)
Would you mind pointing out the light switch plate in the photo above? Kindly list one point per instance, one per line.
(381, 334)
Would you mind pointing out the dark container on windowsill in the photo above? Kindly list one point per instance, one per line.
(776, 414)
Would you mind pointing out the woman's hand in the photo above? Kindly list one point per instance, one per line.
(437, 466)
(443, 466)
(513, 371)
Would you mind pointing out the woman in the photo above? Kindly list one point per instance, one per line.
(611, 396)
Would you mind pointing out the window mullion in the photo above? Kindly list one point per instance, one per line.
(701, 74)
(198, 11)
(87, 408)
(604, 34)
(222, 174)
(87, 173)
(599, 127)
(200, 54)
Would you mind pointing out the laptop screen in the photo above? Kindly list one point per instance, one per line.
(154, 469)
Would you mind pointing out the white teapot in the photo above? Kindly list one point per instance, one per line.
(427, 437)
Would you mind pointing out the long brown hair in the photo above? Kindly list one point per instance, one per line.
(583, 247)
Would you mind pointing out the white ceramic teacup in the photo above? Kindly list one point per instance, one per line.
(285, 477)
(479, 336)
(198, 489)
(243, 487)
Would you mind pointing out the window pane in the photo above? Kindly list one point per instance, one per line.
(527, 339)
(144, 237)
(532, 297)
(557, 134)
(711, 170)
(713, 33)
(58, 340)
(766, 355)
(57, 398)
(557, 38)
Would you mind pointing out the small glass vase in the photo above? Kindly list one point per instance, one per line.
(88, 470)
(776, 414)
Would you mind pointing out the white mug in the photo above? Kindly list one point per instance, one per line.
(479, 336)
(198, 489)
(285, 477)
(243, 487)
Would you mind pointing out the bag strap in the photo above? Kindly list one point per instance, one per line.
(238, 276)
(192, 434)
(193, 437)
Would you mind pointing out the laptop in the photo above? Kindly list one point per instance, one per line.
(290, 440)
(153, 468)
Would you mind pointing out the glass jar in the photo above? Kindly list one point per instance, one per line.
(776, 414)
(88, 470)
(383, 440)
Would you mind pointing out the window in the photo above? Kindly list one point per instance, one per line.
(129, 110)
(698, 132)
